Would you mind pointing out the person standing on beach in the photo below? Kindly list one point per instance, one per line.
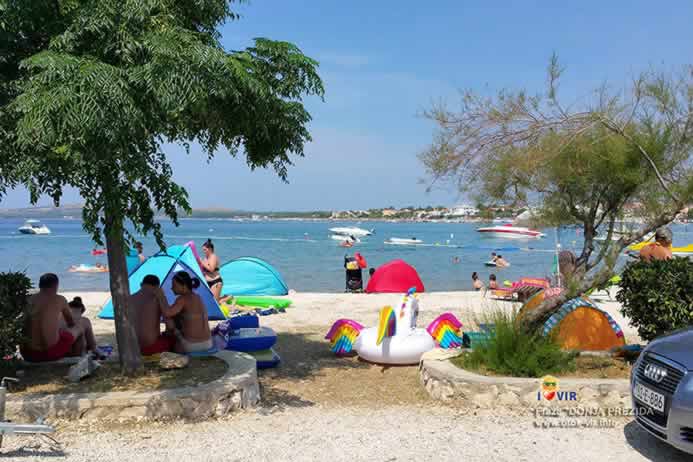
(660, 249)
(140, 252)
(210, 268)
(476, 282)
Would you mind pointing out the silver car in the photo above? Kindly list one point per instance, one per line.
(662, 389)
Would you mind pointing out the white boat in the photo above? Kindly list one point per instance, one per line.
(342, 238)
(510, 231)
(401, 241)
(352, 231)
(34, 227)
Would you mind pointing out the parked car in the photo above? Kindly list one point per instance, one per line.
(662, 389)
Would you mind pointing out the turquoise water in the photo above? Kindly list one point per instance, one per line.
(302, 250)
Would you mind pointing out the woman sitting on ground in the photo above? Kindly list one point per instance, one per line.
(192, 333)
(210, 268)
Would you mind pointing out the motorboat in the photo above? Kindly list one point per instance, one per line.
(352, 231)
(345, 238)
(510, 231)
(34, 227)
(401, 241)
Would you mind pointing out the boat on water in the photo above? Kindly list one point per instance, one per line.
(352, 231)
(34, 227)
(510, 231)
(402, 241)
(345, 238)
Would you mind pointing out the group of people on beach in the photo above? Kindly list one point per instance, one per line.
(56, 328)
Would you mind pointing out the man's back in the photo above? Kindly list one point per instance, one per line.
(145, 308)
(45, 317)
(655, 251)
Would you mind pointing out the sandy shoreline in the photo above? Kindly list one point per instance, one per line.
(312, 311)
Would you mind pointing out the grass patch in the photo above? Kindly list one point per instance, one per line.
(510, 351)
(52, 379)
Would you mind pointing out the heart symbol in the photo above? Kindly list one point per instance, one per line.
(549, 395)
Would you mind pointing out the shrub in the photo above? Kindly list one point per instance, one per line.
(657, 296)
(511, 351)
(14, 289)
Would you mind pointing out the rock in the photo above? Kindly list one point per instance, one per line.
(484, 400)
(612, 399)
(173, 361)
(587, 394)
(84, 368)
(508, 399)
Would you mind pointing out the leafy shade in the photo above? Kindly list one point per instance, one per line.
(91, 90)
(93, 105)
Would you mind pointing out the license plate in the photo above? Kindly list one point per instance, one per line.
(649, 397)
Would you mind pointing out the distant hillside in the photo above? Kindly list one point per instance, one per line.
(75, 211)
(71, 210)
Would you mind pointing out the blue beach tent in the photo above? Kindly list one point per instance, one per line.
(164, 265)
(251, 276)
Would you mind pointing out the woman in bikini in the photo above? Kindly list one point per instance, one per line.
(210, 268)
(193, 333)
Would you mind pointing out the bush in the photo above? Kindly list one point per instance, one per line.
(657, 296)
(14, 289)
(511, 351)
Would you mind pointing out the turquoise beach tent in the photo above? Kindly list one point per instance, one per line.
(164, 265)
(251, 276)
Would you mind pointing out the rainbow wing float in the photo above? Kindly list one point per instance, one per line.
(387, 326)
(342, 336)
(445, 330)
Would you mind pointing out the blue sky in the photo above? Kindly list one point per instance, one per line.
(384, 61)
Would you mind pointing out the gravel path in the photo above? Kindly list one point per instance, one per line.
(349, 434)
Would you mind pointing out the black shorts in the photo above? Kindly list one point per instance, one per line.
(214, 282)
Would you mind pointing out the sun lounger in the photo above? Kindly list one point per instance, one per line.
(522, 289)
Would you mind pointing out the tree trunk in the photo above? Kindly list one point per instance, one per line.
(126, 336)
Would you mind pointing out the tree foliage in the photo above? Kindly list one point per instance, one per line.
(90, 91)
(577, 164)
(657, 296)
(14, 293)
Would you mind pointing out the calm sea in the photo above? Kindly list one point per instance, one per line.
(303, 252)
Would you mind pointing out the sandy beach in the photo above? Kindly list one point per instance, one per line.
(316, 311)
(319, 407)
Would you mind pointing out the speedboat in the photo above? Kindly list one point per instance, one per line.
(34, 227)
(352, 231)
(401, 241)
(344, 238)
(511, 232)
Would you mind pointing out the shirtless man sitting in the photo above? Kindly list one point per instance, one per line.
(660, 249)
(147, 313)
(50, 329)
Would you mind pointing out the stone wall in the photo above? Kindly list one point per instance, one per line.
(445, 382)
(237, 389)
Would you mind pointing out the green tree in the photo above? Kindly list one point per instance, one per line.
(90, 92)
(578, 164)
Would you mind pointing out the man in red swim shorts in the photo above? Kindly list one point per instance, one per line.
(50, 329)
(147, 314)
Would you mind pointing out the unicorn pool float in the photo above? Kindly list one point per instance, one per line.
(396, 339)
